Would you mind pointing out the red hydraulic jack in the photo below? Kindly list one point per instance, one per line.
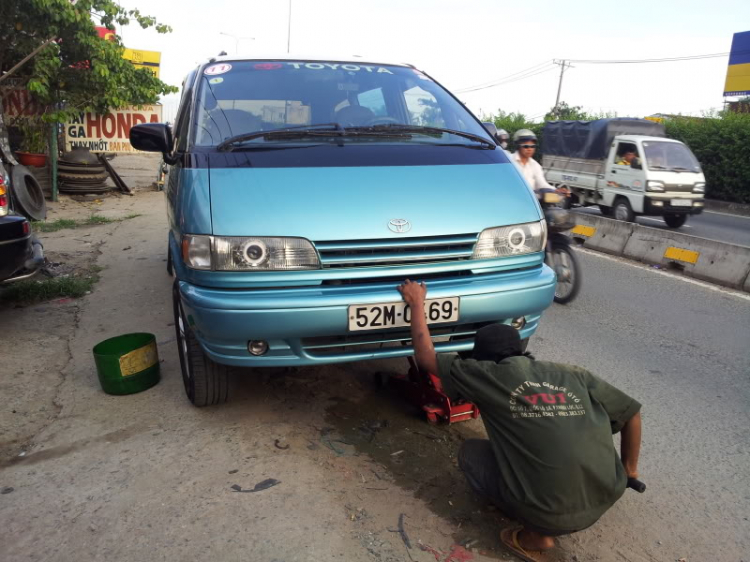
(425, 391)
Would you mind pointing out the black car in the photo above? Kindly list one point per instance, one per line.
(21, 254)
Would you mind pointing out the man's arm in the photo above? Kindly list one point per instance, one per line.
(630, 445)
(424, 352)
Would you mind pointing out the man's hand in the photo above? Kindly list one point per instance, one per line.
(413, 293)
(424, 352)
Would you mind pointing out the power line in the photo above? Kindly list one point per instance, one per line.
(509, 78)
(639, 61)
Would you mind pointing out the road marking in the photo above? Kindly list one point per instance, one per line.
(727, 215)
(723, 290)
(681, 254)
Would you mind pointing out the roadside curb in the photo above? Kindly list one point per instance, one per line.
(741, 209)
(717, 262)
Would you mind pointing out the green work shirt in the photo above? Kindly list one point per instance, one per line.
(550, 426)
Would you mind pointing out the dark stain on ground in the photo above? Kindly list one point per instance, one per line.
(418, 456)
(62, 450)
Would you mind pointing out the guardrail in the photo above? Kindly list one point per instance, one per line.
(718, 262)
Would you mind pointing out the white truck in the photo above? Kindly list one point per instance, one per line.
(625, 166)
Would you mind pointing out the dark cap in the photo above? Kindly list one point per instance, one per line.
(496, 342)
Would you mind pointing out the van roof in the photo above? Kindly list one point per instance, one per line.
(353, 59)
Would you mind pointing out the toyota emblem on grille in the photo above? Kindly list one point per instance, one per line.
(399, 226)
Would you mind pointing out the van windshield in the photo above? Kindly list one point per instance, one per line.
(244, 97)
(671, 156)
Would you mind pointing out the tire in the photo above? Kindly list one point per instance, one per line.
(27, 194)
(206, 382)
(623, 211)
(569, 278)
(606, 211)
(170, 269)
(675, 220)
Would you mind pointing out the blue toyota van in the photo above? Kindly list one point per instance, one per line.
(302, 192)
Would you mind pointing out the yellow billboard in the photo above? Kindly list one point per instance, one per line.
(144, 59)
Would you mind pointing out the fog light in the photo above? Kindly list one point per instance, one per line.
(257, 347)
(698, 204)
(657, 203)
(519, 322)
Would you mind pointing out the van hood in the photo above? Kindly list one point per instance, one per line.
(356, 203)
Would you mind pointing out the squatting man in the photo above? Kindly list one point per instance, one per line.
(550, 461)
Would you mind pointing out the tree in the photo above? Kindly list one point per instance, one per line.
(565, 112)
(74, 69)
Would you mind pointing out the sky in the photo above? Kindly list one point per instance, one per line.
(464, 43)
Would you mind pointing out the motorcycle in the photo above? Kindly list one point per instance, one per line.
(560, 255)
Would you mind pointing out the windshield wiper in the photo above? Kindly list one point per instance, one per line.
(320, 130)
(436, 131)
(657, 167)
(290, 132)
(680, 169)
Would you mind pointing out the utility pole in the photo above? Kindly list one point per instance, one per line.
(563, 64)
(289, 28)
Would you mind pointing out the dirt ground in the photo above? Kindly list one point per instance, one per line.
(147, 477)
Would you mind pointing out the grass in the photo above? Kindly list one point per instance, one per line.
(30, 291)
(92, 220)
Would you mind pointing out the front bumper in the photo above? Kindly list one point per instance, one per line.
(295, 320)
(657, 206)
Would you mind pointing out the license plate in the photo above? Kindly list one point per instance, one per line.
(398, 314)
(681, 202)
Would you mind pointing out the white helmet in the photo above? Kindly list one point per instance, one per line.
(522, 135)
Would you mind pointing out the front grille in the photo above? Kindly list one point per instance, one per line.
(398, 279)
(395, 251)
(378, 339)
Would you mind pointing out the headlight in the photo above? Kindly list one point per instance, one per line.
(652, 185)
(699, 188)
(511, 240)
(242, 253)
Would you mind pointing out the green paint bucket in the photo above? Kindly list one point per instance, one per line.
(127, 364)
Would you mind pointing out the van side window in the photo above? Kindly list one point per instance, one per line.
(423, 108)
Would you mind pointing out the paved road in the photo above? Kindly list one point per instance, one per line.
(713, 225)
(682, 350)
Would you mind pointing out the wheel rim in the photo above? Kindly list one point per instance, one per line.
(621, 212)
(565, 275)
(182, 343)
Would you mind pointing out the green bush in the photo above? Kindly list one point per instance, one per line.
(722, 146)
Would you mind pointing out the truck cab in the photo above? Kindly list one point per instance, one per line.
(625, 166)
(663, 179)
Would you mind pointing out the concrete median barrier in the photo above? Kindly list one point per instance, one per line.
(605, 235)
(717, 262)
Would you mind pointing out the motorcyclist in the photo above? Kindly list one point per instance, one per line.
(525, 141)
(502, 137)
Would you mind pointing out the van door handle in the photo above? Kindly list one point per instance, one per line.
(614, 171)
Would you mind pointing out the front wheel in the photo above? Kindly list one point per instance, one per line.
(565, 263)
(674, 220)
(623, 211)
(206, 382)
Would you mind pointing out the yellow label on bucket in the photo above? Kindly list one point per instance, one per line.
(139, 360)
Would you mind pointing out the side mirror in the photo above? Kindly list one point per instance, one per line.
(152, 137)
(491, 129)
(636, 164)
